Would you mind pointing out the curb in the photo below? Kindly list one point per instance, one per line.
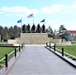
(68, 60)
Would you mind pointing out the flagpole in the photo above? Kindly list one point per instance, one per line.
(45, 21)
(33, 17)
(21, 24)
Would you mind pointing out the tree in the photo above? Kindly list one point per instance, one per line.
(1, 31)
(6, 36)
(16, 31)
(28, 28)
(11, 35)
(43, 28)
(38, 30)
(65, 34)
(50, 32)
(33, 28)
(62, 31)
(24, 28)
(11, 32)
(6, 33)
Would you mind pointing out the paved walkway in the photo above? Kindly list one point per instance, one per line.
(37, 60)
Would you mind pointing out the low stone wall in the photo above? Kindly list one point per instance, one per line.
(64, 43)
(55, 40)
(12, 41)
(33, 38)
(37, 38)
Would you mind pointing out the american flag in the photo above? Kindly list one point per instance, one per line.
(29, 16)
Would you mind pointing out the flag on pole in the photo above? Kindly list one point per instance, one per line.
(43, 20)
(29, 16)
(19, 21)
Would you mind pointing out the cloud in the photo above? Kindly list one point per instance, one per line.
(1, 12)
(70, 25)
(18, 10)
(59, 8)
(55, 24)
(53, 9)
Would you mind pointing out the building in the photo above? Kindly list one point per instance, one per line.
(73, 32)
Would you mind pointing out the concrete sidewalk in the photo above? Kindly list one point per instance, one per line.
(37, 60)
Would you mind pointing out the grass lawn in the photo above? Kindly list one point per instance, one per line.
(4, 50)
(69, 49)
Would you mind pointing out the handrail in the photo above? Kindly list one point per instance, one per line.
(67, 53)
(2, 59)
(8, 55)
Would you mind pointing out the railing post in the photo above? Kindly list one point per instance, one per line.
(54, 47)
(50, 45)
(46, 44)
(6, 60)
(62, 51)
(19, 48)
(22, 46)
(15, 52)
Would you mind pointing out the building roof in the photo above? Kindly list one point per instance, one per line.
(72, 31)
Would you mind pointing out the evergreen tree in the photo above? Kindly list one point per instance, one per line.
(1, 30)
(11, 34)
(28, 28)
(43, 28)
(50, 32)
(6, 33)
(24, 28)
(33, 28)
(38, 30)
(64, 34)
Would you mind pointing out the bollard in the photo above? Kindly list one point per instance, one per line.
(50, 45)
(6, 60)
(19, 48)
(22, 46)
(62, 51)
(54, 47)
(15, 52)
(46, 44)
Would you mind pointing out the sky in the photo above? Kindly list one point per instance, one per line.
(55, 13)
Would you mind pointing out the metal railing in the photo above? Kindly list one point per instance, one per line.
(61, 51)
(7, 55)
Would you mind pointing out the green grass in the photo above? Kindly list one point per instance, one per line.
(4, 50)
(69, 49)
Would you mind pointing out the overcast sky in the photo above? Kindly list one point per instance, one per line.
(55, 12)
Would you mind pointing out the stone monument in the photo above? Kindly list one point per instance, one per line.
(36, 35)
